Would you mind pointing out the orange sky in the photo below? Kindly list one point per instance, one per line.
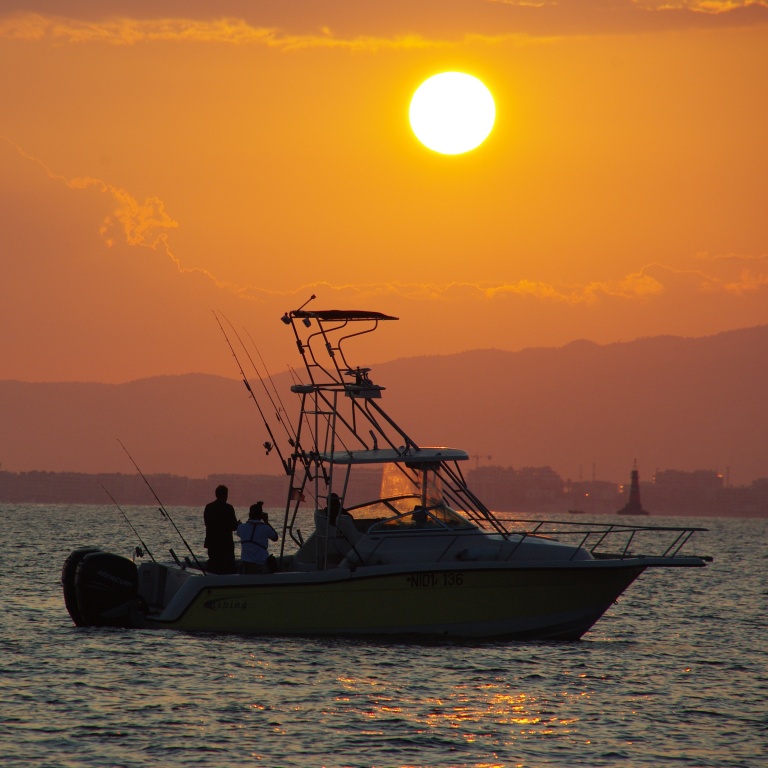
(177, 157)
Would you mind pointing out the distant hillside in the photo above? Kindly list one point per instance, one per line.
(192, 425)
(670, 403)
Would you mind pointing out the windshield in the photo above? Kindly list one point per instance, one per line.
(407, 513)
(382, 508)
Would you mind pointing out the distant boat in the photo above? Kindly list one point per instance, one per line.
(633, 506)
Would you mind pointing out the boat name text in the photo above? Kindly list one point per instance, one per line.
(426, 580)
(226, 604)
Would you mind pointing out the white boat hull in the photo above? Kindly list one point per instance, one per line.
(542, 603)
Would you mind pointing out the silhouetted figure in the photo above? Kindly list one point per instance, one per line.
(255, 535)
(334, 508)
(419, 516)
(220, 521)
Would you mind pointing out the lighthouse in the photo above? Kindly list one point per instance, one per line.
(633, 506)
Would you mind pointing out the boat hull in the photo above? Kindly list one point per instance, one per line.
(543, 603)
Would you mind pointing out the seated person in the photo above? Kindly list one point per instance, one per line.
(334, 509)
(331, 513)
(337, 524)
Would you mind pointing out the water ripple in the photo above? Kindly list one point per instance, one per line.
(674, 675)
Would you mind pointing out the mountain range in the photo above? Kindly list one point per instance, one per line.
(586, 410)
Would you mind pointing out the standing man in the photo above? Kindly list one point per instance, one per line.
(220, 521)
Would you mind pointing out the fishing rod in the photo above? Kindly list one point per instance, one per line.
(141, 541)
(282, 408)
(163, 510)
(272, 443)
(277, 409)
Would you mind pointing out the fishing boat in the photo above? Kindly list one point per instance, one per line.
(413, 552)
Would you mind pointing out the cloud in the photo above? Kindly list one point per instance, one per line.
(353, 25)
(141, 224)
(231, 31)
(705, 293)
(147, 224)
(450, 318)
(751, 272)
(650, 282)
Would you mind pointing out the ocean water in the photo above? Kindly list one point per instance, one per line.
(676, 674)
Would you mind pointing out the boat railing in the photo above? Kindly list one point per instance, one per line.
(617, 540)
(603, 541)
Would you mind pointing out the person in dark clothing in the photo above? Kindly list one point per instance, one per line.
(220, 521)
(334, 508)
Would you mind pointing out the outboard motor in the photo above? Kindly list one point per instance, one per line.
(68, 582)
(102, 591)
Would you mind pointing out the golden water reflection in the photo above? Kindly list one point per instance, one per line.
(477, 713)
(520, 711)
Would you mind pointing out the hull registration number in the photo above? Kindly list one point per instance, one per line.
(428, 580)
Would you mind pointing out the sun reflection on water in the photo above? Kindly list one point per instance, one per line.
(489, 714)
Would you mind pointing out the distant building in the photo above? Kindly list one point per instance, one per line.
(595, 497)
(538, 490)
(505, 489)
(675, 492)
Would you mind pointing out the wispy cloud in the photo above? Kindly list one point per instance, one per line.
(648, 283)
(230, 31)
(147, 224)
(352, 25)
(143, 224)
(749, 273)
(140, 224)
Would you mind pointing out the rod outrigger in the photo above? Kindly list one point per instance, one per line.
(362, 432)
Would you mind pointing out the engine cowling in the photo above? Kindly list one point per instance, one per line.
(68, 572)
(100, 588)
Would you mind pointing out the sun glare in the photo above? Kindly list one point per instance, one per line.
(452, 113)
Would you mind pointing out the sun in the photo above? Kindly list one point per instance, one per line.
(452, 113)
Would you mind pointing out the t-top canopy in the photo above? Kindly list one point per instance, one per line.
(390, 455)
(342, 314)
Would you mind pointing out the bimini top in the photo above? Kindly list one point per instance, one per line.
(391, 455)
(342, 314)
